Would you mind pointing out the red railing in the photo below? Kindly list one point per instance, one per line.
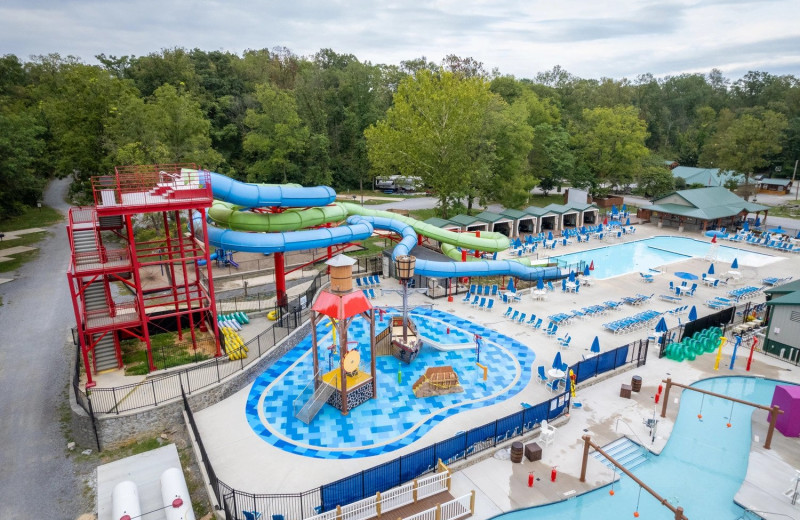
(86, 260)
(114, 314)
(149, 185)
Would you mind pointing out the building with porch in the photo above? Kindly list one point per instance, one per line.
(701, 209)
(521, 222)
(782, 336)
(710, 177)
(443, 224)
(469, 223)
(775, 186)
(497, 222)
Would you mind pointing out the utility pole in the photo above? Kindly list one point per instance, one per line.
(797, 189)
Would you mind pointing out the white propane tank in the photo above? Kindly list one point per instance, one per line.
(175, 494)
(125, 501)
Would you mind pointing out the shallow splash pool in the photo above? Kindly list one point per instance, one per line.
(396, 418)
(641, 255)
(701, 468)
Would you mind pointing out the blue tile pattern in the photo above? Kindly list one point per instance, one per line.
(396, 418)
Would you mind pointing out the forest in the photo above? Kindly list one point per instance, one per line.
(469, 133)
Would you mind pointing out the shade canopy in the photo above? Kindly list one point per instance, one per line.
(685, 276)
(661, 326)
(595, 345)
(693, 313)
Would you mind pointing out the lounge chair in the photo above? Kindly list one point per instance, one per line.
(513, 317)
(547, 433)
(371, 294)
(552, 332)
(538, 324)
(522, 317)
(508, 312)
(564, 342)
(542, 376)
(483, 303)
(489, 304)
(466, 298)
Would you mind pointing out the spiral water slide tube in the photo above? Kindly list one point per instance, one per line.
(281, 232)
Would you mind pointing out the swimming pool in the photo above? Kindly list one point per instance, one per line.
(395, 418)
(641, 255)
(701, 468)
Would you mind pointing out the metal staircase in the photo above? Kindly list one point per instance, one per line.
(85, 241)
(311, 408)
(111, 222)
(105, 356)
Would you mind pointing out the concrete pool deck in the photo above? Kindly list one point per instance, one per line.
(244, 461)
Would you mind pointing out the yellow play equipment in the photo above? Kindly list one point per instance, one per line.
(234, 345)
(571, 383)
(722, 341)
(272, 315)
(485, 371)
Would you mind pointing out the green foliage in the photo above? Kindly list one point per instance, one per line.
(21, 149)
(655, 179)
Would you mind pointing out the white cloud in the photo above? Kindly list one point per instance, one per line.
(587, 38)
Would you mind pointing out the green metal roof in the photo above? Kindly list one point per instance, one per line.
(536, 211)
(785, 288)
(465, 220)
(705, 204)
(560, 208)
(792, 298)
(514, 214)
(711, 177)
(488, 216)
(775, 182)
(440, 222)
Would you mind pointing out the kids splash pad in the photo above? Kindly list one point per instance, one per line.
(395, 417)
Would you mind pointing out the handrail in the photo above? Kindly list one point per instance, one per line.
(633, 432)
(295, 407)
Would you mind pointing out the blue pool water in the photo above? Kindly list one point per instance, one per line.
(641, 255)
(395, 418)
(701, 468)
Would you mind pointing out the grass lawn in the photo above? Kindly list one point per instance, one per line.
(789, 210)
(167, 352)
(32, 218)
(372, 245)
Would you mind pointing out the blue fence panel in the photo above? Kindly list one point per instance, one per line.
(381, 478)
(605, 361)
(452, 449)
(342, 491)
(509, 426)
(418, 463)
(477, 438)
(622, 356)
(586, 369)
(535, 414)
(556, 405)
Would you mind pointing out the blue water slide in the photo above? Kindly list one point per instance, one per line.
(250, 195)
(282, 242)
(435, 269)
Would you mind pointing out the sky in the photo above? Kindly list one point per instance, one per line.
(588, 38)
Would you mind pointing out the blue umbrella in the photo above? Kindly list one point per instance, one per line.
(586, 270)
(540, 283)
(549, 235)
(624, 207)
(746, 226)
(510, 286)
(628, 221)
(711, 269)
(595, 345)
(686, 276)
(661, 326)
(613, 208)
(735, 264)
(564, 284)
(572, 276)
(758, 221)
(693, 313)
(557, 361)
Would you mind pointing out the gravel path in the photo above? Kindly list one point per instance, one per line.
(37, 480)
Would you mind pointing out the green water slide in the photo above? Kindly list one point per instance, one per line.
(230, 216)
(488, 241)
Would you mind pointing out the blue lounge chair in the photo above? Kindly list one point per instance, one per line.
(532, 320)
(366, 293)
(552, 332)
(466, 297)
(553, 385)
(508, 312)
(564, 342)
(475, 301)
(490, 304)
(514, 316)
(358, 282)
(371, 293)
(494, 290)
(480, 290)
(522, 317)
(483, 303)
(538, 324)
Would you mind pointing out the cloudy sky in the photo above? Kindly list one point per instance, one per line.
(589, 38)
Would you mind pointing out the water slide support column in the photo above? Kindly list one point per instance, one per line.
(280, 279)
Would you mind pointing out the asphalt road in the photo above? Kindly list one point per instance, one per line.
(37, 480)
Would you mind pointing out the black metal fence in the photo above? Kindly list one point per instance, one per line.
(463, 445)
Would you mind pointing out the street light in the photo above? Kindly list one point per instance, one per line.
(405, 271)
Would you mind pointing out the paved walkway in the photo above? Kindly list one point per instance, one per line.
(37, 479)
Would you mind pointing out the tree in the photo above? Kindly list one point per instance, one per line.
(276, 138)
(610, 144)
(551, 157)
(749, 143)
(21, 148)
(433, 131)
(655, 179)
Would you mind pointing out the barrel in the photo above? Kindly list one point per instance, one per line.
(636, 383)
(516, 452)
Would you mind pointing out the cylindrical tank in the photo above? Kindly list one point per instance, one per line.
(125, 501)
(175, 495)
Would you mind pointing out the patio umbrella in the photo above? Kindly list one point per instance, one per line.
(586, 271)
(549, 235)
(735, 264)
(661, 326)
(595, 345)
(540, 284)
(613, 208)
(624, 208)
(572, 276)
(591, 265)
(778, 229)
(711, 268)
(685, 276)
(758, 221)
(564, 284)
(557, 361)
(510, 286)
(693, 313)
(628, 221)
(746, 226)
(605, 221)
